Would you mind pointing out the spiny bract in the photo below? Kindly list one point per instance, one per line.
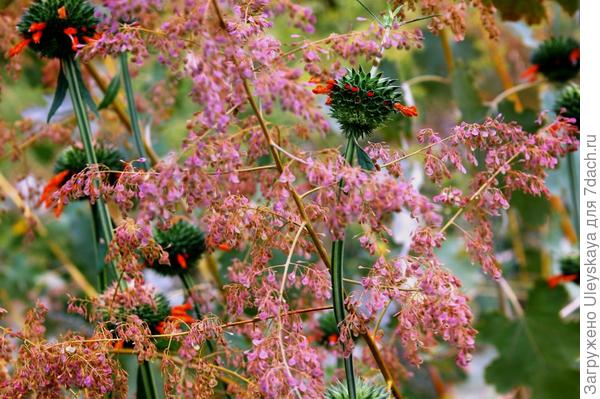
(151, 315)
(361, 102)
(557, 59)
(571, 265)
(184, 243)
(364, 390)
(74, 159)
(568, 101)
(54, 28)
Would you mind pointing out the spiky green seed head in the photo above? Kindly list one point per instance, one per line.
(570, 265)
(151, 315)
(184, 243)
(364, 390)
(568, 100)
(74, 159)
(361, 102)
(328, 327)
(557, 59)
(58, 15)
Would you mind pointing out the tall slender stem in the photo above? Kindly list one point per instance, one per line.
(71, 71)
(573, 189)
(146, 383)
(337, 282)
(133, 115)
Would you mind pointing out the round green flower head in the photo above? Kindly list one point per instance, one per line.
(151, 315)
(364, 390)
(557, 59)
(184, 243)
(56, 28)
(570, 266)
(361, 102)
(329, 329)
(74, 159)
(568, 100)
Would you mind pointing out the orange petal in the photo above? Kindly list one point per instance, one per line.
(574, 56)
(58, 209)
(70, 31)
(37, 36)
(314, 79)
(224, 247)
(406, 111)
(530, 73)
(321, 89)
(62, 12)
(561, 278)
(53, 185)
(181, 260)
(19, 47)
(37, 26)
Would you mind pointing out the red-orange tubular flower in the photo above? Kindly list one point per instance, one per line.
(406, 111)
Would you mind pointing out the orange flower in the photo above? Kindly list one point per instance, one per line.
(574, 56)
(224, 247)
(406, 111)
(119, 344)
(53, 185)
(179, 312)
(314, 79)
(37, 26)
(92, 39)
(19, 47)
(530, 74)
(561, 278)
(71, 32)
(181, 260)
(321, 89)
(37, 36)
(332, 339)
(62, 12)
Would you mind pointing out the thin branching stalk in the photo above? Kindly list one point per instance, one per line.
(131, 108)
(71, 71)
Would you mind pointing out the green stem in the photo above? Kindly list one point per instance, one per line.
(71, 71)
(573, 189)
(337, 281)
(146, 383)
(133, 115)
(100, 249)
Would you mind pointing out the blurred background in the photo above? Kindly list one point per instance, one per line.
(529, 355)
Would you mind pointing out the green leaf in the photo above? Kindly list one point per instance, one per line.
(539, 350)
(466, 95)
(534, 211)
(364, 160)
(526, 118)
(111, 92)
(59, 96)
(87, 97)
